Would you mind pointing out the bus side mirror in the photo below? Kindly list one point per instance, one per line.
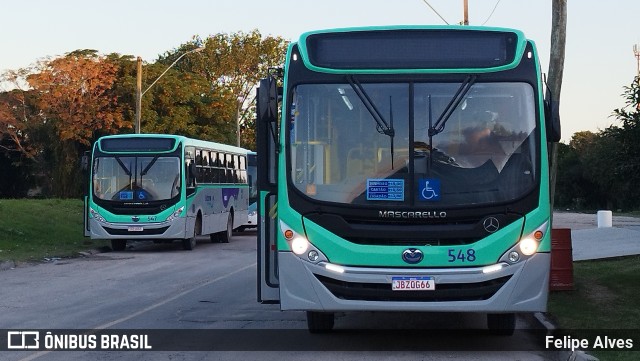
(267, 100)
(84, 161)
(552, 118)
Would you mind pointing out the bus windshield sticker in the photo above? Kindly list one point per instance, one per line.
(429, 189)
(385, 189)
(126, 196)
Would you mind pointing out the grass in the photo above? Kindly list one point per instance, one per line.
(35, 229)
(605, 298)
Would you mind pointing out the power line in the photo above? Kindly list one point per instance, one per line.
(435, 11)
(492, 11)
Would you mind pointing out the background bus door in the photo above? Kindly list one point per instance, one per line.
(85, 166)
(266, 142)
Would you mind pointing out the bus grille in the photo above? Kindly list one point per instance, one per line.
(445, 292)
(146, 232)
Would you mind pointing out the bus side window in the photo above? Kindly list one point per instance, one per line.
(243, 169)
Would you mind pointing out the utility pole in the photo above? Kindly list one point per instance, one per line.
(636, 53)
(466, 12)
(556, 69)
(138, 95)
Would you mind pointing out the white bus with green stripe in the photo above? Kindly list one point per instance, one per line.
(164, 188)
(406, 168)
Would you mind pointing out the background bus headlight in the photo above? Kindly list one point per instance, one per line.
(96, 215)
(175, 214)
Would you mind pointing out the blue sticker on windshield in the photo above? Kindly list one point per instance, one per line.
(126, 196)
(385, 189)
(429, 189)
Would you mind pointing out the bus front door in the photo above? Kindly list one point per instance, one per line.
(267, 172)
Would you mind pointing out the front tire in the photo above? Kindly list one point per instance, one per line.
(190, 243)
(320, 322)
(118, 244)
(502, 324)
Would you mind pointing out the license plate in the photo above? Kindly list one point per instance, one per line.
(413, 284)
(135, 229)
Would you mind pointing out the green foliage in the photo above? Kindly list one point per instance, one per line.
(60, 106)
(42, 228)
(605, 298)
(602, 170)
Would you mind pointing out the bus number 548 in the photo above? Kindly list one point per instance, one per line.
(461, 255)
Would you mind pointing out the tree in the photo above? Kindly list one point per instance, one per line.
(627, 138)
(15, 112)
(233, 64)
(75, 103)
(75, 93)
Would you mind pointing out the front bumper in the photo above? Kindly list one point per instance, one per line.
(162, 230)
(521, 287)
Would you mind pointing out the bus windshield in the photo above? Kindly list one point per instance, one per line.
(485, 153)
(136, 178)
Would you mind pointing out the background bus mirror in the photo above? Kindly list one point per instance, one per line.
(84, 162)
(267, 100)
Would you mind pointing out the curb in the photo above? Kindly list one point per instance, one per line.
(577, 355)
(7, 265)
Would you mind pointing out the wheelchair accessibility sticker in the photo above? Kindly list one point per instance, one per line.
(429, 189)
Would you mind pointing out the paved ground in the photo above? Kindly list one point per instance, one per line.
(591, 242)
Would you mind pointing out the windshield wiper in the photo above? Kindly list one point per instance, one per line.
(382, 126)
(124, 167)
(453, 104)
(146, 169)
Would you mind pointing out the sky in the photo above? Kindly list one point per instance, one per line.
(599, 62)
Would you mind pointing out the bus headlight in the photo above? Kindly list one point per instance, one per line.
(301, 246)
(527, 246)
(175, 214)
(96, 215)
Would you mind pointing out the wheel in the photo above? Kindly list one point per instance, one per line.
(319, 322)
(225, 236)
(214, 237)
(190, 243)
(118, 244)
(502, 324)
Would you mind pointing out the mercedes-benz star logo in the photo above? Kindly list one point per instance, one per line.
(491, 224)
(412, 255)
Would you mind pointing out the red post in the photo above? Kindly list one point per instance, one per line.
(561, 277)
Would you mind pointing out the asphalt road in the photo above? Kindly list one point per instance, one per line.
(162, 287)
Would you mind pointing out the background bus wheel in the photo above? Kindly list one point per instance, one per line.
(190, 243)
(214, 237)
(225, 236)
(501, 323)
(118, 244)
(319, 322)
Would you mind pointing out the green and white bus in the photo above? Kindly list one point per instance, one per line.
(164, 188)
(406, 169)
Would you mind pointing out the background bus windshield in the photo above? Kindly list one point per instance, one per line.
(363, 144)
(136, 179)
